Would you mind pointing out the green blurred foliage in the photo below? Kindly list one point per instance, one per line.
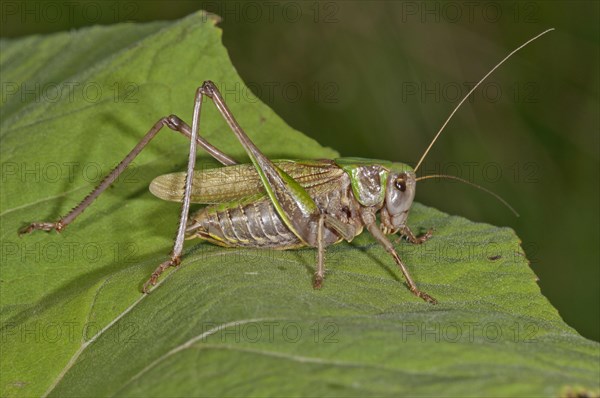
(377, 79)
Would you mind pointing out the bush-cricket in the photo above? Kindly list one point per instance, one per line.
(282, 204)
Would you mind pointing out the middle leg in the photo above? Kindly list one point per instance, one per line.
(369, 219)
(320, 271)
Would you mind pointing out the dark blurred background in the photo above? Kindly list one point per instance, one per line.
(377, 79)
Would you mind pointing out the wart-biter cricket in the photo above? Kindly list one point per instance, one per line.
(284, 204)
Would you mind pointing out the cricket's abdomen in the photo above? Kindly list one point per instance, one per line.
(257, 223)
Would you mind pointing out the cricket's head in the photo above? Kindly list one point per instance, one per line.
(386, 185)
(399, 195)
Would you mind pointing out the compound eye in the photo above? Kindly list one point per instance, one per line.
(400, 183)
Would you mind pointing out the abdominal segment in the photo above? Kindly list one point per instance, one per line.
(256, 224)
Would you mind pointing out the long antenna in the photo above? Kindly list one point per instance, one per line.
(495, 195)
(473, 89)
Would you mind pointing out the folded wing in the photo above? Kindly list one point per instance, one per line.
(225, 184)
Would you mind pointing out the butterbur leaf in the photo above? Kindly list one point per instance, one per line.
(230, 321)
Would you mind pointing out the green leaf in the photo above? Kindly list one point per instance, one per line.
(228, 321)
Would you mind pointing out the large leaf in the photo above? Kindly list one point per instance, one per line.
(230, 322)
